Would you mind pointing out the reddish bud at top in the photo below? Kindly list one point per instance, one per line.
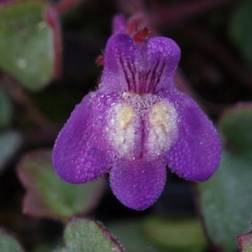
(142, 35)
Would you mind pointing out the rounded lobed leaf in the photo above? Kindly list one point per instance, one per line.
(86, 235)
(48, 196)
(225, 199)
(27, 44)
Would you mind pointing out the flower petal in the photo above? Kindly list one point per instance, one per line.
(119, 24)
(196, 153)
(118, 57)
(143, 67)
(163, 56)
(80, 152)
(138, 183)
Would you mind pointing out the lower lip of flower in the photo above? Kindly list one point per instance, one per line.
(141, 126)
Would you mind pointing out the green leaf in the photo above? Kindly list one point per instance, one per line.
(48, 196)
(89, 236)
(176, 235)
(6, 109)
(240, 29)
(226, 198)
(236, 129)
(8, 243)
(131, 234)
(156, 234)
(10, 142)
(226, 201)
(26, 44)
(245, 242)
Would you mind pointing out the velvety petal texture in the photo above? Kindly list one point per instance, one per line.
(164, 54)
(196, 153)
(138, 184)
(80, 152)
(119, 54)
(119, 24)
(137, 123)
(139, 67)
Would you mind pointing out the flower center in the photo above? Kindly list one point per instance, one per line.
(141, 126)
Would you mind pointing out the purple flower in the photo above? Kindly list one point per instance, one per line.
(136, 124)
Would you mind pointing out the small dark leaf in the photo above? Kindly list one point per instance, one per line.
(45, 248)
(240, 29)
(89, 236)
(6, 109)
(10, 142)
(48, 196)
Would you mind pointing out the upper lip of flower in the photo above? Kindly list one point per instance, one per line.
(140, 67)
(135, 124)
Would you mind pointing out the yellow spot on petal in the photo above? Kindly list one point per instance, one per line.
(125, 117)
(121, 128)
(162, 127)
